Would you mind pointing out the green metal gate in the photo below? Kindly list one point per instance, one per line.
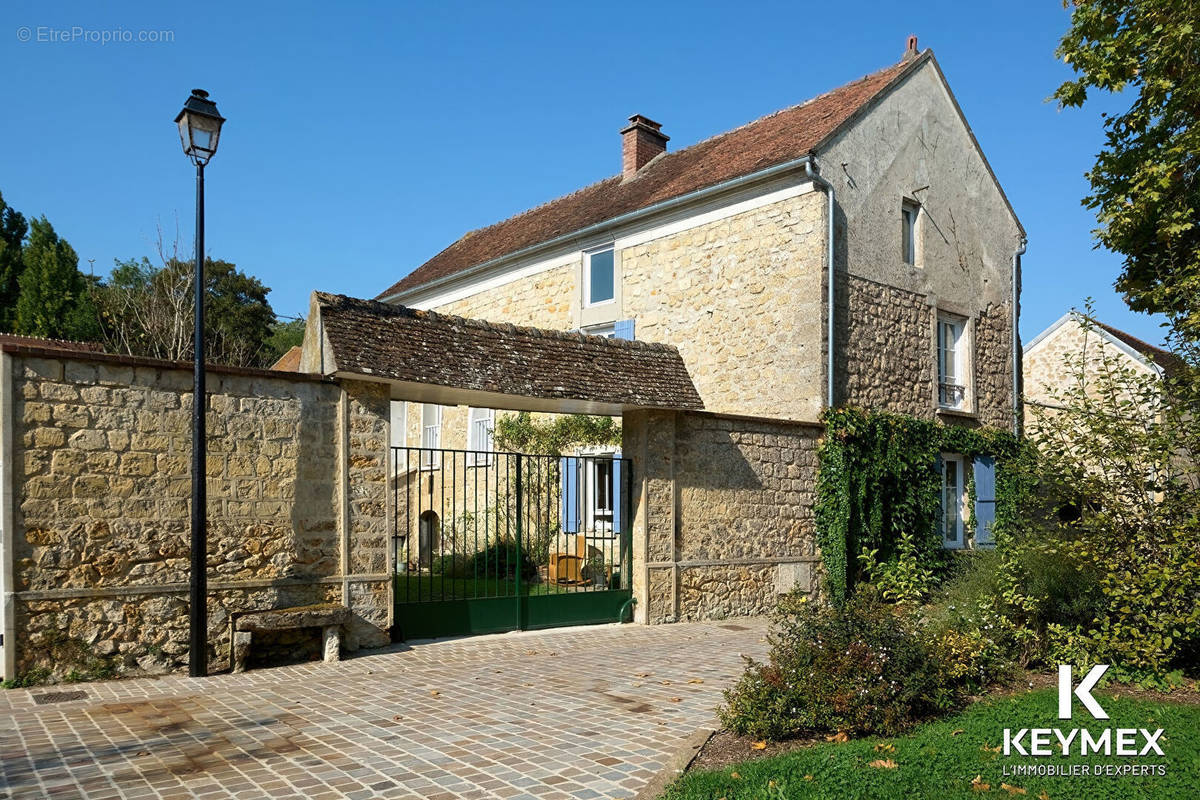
(486, 542)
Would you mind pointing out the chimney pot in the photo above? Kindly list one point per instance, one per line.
(641, 141)
(910, 48)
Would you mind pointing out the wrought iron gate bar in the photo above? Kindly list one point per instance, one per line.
(488, 540)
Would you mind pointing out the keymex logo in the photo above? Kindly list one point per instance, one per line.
(1083, 691)
(1122, 742)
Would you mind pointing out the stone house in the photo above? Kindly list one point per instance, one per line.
(853, 249)
(726, 248)
(1074, 339)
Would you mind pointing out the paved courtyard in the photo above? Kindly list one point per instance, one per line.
(575, 713)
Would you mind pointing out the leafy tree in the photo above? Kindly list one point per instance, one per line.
(148, 311)
(55, 300)
(1117, 451)
(12, 237)
(1146, 181)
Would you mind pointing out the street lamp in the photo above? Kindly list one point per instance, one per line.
(199, 129)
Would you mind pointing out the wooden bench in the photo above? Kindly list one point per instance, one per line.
(329, 617)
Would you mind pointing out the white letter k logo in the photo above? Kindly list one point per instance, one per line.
(1083, 691)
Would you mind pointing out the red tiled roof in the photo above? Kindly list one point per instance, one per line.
(780, 137)
(289, 361)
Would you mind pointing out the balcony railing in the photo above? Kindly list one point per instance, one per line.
(951, 395)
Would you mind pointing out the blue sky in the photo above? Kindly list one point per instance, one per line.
(363, 138)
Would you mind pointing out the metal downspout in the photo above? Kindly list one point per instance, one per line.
(1016, 350)
(812, 172)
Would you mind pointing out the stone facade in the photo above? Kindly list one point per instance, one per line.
(724, 522)
(887, 355)
(547, 300)
(100, 476)
(1048, 361)
(741, 298)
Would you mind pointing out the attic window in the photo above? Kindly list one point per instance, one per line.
(599, 277)
(910, 215)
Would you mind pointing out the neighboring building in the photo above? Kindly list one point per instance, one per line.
(1051, 356)
(722, 250)
(289, 361)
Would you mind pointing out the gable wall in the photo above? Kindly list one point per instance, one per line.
(914, 138)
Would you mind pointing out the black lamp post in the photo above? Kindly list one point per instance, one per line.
(199, 128)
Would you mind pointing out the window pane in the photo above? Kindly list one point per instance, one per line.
(600, 277)
(951, 505)
(908, 218)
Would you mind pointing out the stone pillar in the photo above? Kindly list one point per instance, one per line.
(365, 527)
(649, 440)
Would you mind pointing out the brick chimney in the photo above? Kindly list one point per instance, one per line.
(641, 141)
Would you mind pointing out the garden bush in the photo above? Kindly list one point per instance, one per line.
(862, 667)
(500, 560)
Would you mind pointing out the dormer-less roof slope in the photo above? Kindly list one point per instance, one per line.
(422, 347)
(1170, 363)
(775, 139)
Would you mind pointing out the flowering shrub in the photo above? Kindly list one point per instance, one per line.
(860, 668)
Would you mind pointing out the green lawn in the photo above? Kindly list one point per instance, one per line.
(939, 760)
(438, 588)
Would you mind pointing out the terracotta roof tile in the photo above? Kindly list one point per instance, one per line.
(289, 361)
(1170, 363)
(403, 344)
(780, 137)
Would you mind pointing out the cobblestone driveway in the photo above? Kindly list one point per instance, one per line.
(579, 713)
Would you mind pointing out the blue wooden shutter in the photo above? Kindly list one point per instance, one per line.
(623, 329)
(617, 494)
(569, 484)
(985, 500)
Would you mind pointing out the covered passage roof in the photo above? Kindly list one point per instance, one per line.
(437, 358)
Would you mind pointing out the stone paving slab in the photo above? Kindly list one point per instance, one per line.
(573, 713)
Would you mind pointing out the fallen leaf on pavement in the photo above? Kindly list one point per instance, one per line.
(696, 680)
(434, 693)
(675, 699)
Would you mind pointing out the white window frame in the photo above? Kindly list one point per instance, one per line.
(960, 379)
(955, 462)
(597, 520)
(608, 330)
(910, 232)
(481, 422)
(398, 437)
(431, 436)
(587, 276)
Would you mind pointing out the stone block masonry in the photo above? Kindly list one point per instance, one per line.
(724, 521)
(98, 458)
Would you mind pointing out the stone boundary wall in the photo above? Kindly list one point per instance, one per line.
(96, 461)
(724, 520)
